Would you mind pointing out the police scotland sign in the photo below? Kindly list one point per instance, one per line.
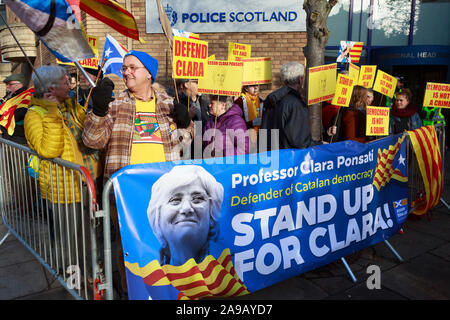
(228, 16)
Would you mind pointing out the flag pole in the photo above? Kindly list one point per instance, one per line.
(85, 74)
(96, 80)
(23, 51)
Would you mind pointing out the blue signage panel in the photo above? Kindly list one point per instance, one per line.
(199, 228)
(228, 16)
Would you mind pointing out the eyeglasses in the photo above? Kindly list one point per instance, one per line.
(131, 68)
(13, 84)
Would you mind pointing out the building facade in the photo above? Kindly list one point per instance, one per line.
(407, 38)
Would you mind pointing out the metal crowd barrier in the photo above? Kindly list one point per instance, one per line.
(416, 187)
(67, 238)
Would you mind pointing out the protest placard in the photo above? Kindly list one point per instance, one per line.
(353, 71)
(367, 76)
(321, 83)
(91, 63)
(238, 51)
(437, 95)
(344, 89)
(377, 123)
(385, 84)
(222, 78)
(190, 58)
(257, 71)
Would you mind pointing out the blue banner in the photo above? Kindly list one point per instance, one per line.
(229, 226)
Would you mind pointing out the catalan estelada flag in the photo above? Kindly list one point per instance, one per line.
(8, 107)
(210, 278)
(111, 13)
(426, 147)
(385, 170)
(355, 52)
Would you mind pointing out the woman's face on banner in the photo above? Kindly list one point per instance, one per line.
(186, 211)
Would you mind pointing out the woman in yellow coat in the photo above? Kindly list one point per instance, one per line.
(53, 128)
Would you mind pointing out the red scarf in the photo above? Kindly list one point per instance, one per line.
(403, 113)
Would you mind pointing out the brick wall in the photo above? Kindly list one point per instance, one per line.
(280, 46)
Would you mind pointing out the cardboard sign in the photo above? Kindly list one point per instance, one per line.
(239, 51)
(377, 123)
(437, 95)
(257, 71)
(385, 84)
(344, 89)
(353, 72)
(367, 76)
(91, 63)
(223, 78)
(190, 58)
(321, 83)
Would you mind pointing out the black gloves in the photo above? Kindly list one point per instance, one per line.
(102, 96)
(181, 115)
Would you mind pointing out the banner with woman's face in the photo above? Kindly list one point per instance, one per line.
(201, 228)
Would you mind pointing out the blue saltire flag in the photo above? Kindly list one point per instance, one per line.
(55, 24)
(113, 52)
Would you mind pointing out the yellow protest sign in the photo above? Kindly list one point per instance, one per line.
(377, 123)
(367, 76)
(222, 78)
(385, 84)
(437, 95)
(190, 58)
(344, 89)
(321, 83)
(353, 71)
(91, 63)
(257, 71)
(238, 51)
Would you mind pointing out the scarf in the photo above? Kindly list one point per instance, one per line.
(404, 113)
(254, 109)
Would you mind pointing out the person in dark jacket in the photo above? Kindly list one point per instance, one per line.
(15, 85)
(225, 131)
(290, 115)
(403, 115)
(197, 106)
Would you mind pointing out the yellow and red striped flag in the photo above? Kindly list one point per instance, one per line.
(426, 147)
(355, 52)
(211, 277)
(385, 170)
(111, 13)
(8, 107)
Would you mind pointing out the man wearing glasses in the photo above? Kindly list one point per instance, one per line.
(15, 84)
(138, 126)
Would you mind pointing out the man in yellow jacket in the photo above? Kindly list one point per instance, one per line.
(53, 127)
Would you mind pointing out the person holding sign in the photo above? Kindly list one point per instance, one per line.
(252, 107)
(225, 131)
(291, 115)
(139, 126)
(404, 115)
(353, 122)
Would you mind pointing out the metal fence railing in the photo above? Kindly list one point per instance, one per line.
(38, 208)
